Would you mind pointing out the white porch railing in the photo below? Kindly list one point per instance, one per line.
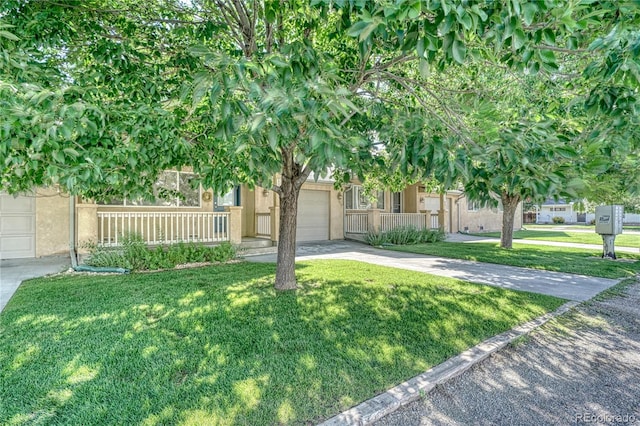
(389, 221)
(263, 224)
(356, 223)
(163, 227)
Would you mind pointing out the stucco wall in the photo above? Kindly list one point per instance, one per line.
(487, 218)
(411, 200)
(52, 222)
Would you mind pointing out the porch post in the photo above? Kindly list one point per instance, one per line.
(373, 220)
(235, 224)
(86, 225)
(428, 215)
(274, 216)
(441, 216)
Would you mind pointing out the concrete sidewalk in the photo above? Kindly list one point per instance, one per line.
(14, 271)
(464, 238)
(566, 286)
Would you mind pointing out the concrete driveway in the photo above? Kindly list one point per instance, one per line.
(14, 271)
(566, 286)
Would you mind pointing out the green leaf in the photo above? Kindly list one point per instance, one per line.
(459, 51)
(424, 68)
(481, 13)
(547, 56)
(71, 152)
(518, 39)
(529, 9)
(465, 20)
(357, 28)
(65, 131)
(8, 35)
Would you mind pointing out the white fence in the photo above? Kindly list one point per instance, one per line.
(163, 227)
(263, 224)
(358, 223)
(628, 218)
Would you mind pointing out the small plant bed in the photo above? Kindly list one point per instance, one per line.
(135, 255)
(218, 345)
(622, 240)
(549, 258)
(404, 235)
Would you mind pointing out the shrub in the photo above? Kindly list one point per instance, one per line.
(404, 235)
(558, 219)
(134, 254)
(375, 238)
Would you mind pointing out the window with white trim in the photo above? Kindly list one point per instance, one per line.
(355, 199)
(473, 206)
(169, 181)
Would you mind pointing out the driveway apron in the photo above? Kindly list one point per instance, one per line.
(14, 271)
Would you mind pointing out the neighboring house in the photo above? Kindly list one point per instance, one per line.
(571, 213)
(559, 208)
(47, 222)
(452, 211)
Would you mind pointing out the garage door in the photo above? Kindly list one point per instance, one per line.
(313, 215)
(17, 226)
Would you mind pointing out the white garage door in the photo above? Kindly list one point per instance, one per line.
(17, 226)
(313, 215)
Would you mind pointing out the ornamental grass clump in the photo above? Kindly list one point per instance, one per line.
(404, 235)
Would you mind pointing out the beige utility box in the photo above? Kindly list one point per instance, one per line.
(609, 220)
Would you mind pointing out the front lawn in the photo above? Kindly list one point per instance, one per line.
(576, 226)
(218, 345)
(549, 258)
(622, 240)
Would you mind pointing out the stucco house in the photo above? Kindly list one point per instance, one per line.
(565, 209)
(48, 222)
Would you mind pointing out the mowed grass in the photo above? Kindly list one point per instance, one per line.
(578, 227)
(549, 258)
(622, 240)
(218, 345)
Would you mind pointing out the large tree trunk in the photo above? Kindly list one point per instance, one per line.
(286, 268)
(293, 176)
(509, 206)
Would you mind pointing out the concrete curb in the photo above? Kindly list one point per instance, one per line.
(409, 391)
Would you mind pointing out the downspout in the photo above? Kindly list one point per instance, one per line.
(72, 246)
(72, 231)
(460, 197)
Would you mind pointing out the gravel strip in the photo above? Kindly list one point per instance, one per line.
(583, 368)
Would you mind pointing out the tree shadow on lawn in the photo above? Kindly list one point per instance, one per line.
(218, 345)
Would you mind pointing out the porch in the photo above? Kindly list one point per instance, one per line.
(109, 228)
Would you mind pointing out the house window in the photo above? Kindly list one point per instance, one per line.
(558, 209)
(169, 184)
(355, 199)
(473, 206)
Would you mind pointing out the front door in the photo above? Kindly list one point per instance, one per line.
(231, 198)
(396, 202)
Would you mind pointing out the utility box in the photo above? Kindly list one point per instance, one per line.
(609, 220)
